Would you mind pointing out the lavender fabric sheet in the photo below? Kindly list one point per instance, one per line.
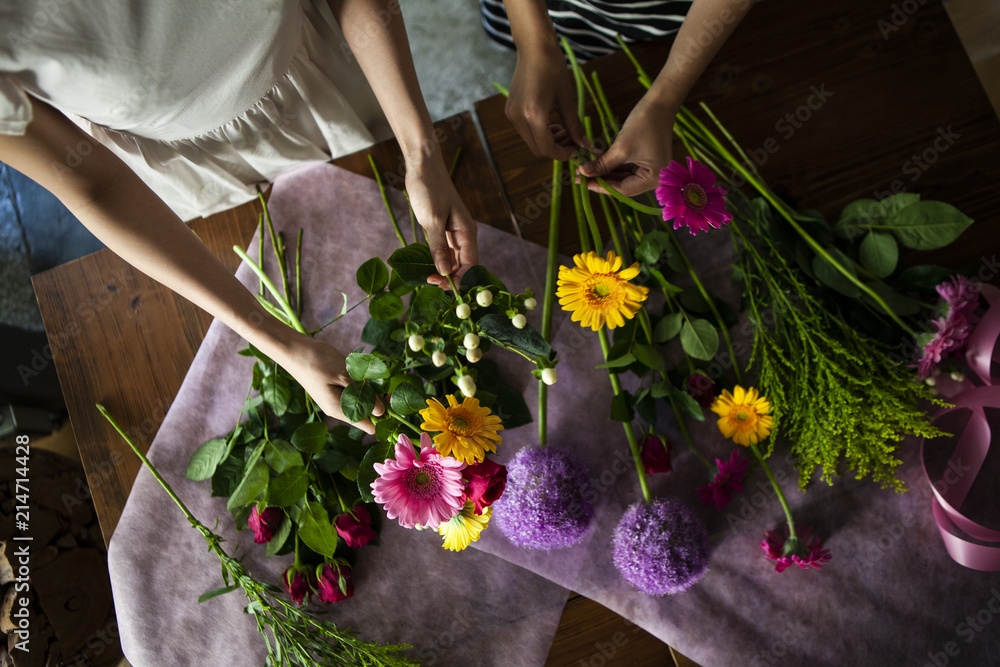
(890, 595)
(462, 609)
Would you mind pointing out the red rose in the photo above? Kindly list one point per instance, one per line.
(485, 483)
(355, 527)
(263, 524)
(702, 389)
(335, 582)
(656, 454)
(299, 583)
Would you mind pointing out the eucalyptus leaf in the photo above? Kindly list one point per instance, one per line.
(407, 399)
(363, 366)
(206, 459)
(879, 253)
(357, 401)
(310, 438)
(373, 276)
(413, 263)
(700, 339)
(316, 530)
(288, 488)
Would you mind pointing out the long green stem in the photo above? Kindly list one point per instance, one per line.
(551, 267)
(633, 444)
(278, 296)
(298, 276)
(279, 246)
(385, 200)
(643, 77)
(777, 490)
(642, 208)
(401, 419)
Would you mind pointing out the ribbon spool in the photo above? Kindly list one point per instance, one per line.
(972, 448)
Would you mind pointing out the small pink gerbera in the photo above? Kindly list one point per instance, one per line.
(690, 197)
(805, 550)
(421, 489)
(729, 479)
(961, 296)
(952, 334)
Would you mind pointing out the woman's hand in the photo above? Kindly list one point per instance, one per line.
(633, 162)
(542, 84)
(451, 231)
(321, 370)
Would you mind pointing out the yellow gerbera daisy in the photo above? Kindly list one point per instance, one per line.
(464, 528)
(744, 415)
(597, 292)
(466, 430)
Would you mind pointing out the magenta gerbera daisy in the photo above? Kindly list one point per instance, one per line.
(420, 489)
(727, 480)
(805, 550)
(690, 197)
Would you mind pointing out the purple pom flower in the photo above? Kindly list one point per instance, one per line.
(661, 548)
(547, 501)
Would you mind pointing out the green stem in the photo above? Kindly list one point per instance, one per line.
(454, 163)
(577, 76)
(709, 300)
(633, 445)
(282, 301)
(454, 287)
(401, 419)
(642, 208)
(298, 276)
(777, 490)
(643, 77)
(385, 200)
(595, 233)
(340, 499)
(581, 227)
(279, 246)
(551, 266)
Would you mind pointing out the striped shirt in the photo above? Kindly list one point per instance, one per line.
(590, 26)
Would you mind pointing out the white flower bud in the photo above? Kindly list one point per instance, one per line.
(416, 342)
(484, 298)
(471, 340)
(957, 376)
(519, 321)
(549, 376)
(438, 359)
(530, 303)
(463, 311)
(473, 354)
(467, 385)
(930, 381)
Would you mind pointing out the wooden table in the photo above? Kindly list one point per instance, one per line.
(121, 339)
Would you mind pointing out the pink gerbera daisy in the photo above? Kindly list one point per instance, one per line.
(805, 550)
(421, 489)
(690, 197)
(728, 480)
(952, 334)
(961, 296)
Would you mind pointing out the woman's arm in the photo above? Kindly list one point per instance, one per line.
(120, 210)
(375, 31)
(633, 162)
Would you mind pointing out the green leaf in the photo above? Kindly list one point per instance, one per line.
(895, 203)
(668, 327)
(205, 597)
(358, 401)
(206, 459)
(510, 406)
(620, 361)
(397, 286)
(428, 303)
(700, 339)
(649, 250)
(316, 530)
(362, 366)
(621, 408)
(830, 276)
(373, 276)
(288, 488)
(407, 399)
(378, 453)
(375, 332)
(276, 392)
(649, 356)
(686, 404)
(527, 340)
(413, 263)
(879, 253)
(386, 306)
(310, 438)
(257, 377)
(330, 461)
(280, 536)
(923, 277)
(251, 487)
(281, 455)
(900, 304)
(479, 276)
(665, 284)
(350, 469)
(927, 225)
(228, 475)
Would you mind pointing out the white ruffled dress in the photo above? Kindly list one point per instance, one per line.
(203, 100)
